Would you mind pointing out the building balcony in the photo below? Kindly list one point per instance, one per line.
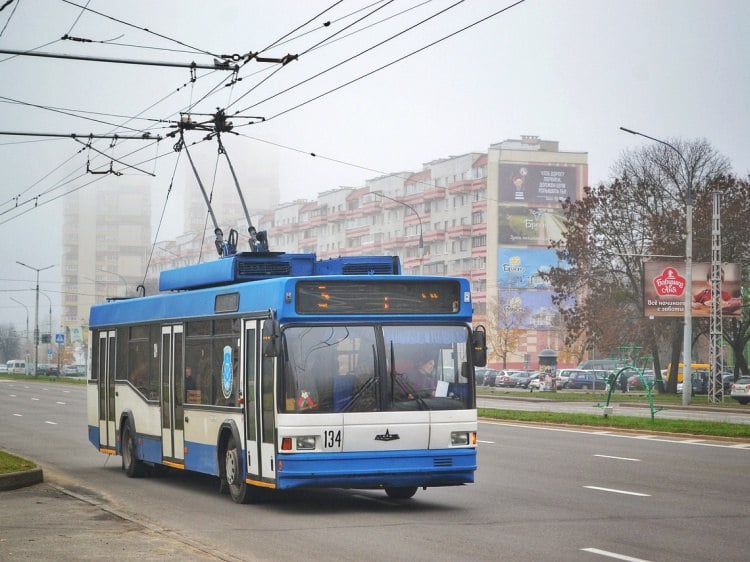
(467, 186)
(460, 230)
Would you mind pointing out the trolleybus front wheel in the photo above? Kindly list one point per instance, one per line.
(400, 492)
(240, 491)
(130, 464)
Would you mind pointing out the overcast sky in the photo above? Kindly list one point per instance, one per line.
(573, 71)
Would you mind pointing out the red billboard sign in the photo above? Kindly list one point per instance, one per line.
(665, 284)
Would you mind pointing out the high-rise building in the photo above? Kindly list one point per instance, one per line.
(106, 236)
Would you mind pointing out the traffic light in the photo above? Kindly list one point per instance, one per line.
(46, 338)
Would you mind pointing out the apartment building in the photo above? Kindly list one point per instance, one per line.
(487, 216)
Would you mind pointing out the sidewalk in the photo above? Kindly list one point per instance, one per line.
(46, 521)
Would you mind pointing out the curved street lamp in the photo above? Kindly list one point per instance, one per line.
(421, 237)
(687, 336)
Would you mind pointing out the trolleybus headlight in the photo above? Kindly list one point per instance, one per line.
(460, 438)
(306, 443)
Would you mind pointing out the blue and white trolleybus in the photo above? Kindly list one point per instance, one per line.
(277, 371)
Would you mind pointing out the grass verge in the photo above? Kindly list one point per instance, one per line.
(688, 427)
(43, 378)
(12, 463)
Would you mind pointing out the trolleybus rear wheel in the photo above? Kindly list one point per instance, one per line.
(130, 464)
(401, 492)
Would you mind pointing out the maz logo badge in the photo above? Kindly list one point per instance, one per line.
(387, 436)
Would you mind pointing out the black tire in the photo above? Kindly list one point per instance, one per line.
(401, 492)
(234, 476)
(133, 467)
(742, 401)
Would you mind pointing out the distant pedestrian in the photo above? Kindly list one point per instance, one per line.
(624, 381)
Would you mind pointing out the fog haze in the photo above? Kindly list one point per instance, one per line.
(572, 71)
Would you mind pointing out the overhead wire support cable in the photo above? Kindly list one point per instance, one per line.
(88, 145)
(196, 49)
(217, 65)
(144, 136)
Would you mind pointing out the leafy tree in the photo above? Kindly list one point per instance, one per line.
(639, 216)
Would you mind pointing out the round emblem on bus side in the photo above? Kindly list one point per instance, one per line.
(226, 373)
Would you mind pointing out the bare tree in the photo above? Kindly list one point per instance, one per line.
(505, 329)
(618, 226)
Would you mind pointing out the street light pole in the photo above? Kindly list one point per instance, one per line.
(124, 281)
(421, 237)
(687, 336)
(36, 321)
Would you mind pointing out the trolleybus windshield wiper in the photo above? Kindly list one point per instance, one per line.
(373, 380)
(398, 379)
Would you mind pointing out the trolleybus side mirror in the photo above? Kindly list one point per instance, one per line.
(479, 346)
(271, 337)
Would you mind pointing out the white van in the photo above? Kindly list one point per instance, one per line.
(17, 367)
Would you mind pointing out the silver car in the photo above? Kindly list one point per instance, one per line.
(741, 390)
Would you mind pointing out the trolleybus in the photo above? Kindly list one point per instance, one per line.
(278, 371)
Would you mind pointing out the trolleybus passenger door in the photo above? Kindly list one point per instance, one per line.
(259, 416)
(172, 394)
(106, 364)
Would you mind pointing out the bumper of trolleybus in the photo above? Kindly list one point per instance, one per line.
(428, 468)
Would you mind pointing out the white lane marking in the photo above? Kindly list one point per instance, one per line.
(66, 392)
(12, 395)
(51, 422)
(613, 555)
(487, 442)
(618, 458)
(35, 399)
(18, 415)
(614, 491)
(654, 438)
(63, 403)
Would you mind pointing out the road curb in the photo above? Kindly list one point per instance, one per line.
(14, 480)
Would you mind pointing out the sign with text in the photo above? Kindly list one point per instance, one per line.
(537, 183)
(665, 285)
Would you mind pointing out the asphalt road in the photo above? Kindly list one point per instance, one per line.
(542, 493)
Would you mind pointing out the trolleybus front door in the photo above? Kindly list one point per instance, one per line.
(172, 394)
(259, 416)
(106, 364)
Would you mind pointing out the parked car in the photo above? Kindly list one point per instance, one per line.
(636, 383)
(48, 369)
(564, 374)
(585, 380)
(522, 378)
(700, 386)
(505, 379)
(74, 370)
(741, 390)
(485, 376)
(3, 367)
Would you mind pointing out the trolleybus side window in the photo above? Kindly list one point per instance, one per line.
(212, 355)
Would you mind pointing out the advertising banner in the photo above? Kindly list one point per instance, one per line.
(665, 285)
(534, 308)
(520, 268)
(537, 183)
(529, 226)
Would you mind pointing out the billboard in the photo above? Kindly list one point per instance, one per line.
(529, 226)
(537, 183)
(665, 285)
(535, 309)
(521, 268)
